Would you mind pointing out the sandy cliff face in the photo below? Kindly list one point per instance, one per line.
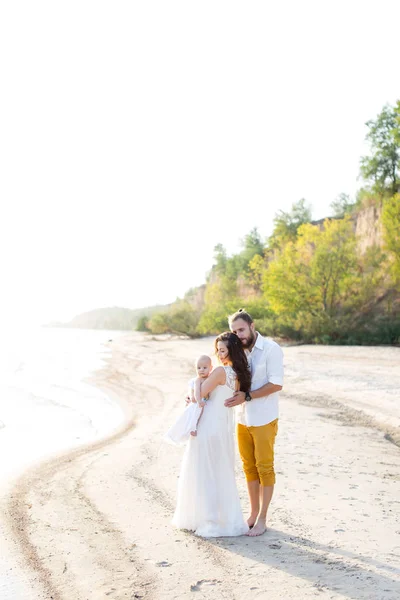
(196, 297)
(368, 227)
(245, 290)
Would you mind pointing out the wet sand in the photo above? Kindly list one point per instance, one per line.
(95, 523)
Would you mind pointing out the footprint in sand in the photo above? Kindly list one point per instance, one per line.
(163, 563)
(197, 586)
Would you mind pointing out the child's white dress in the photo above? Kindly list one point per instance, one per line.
(179, 433)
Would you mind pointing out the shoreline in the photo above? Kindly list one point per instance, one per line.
(96, 522)
(16, 503)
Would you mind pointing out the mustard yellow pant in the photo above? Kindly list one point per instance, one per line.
(256, 449)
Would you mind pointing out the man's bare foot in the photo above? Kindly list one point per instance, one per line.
(194, 433)
(259, 528)
(251, 520)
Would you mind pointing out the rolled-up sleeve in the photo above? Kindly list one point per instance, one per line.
(275, 365)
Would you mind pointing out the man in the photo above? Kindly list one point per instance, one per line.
(258, 417)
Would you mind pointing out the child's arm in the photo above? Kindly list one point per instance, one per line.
(197, 392)
(192, 396)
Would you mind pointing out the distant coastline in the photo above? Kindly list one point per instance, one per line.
(112, 318)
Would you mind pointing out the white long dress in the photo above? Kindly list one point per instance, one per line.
(208, 500)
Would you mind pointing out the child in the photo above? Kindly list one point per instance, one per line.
(187, 422)
(203, 368)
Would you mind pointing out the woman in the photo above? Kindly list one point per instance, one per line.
(208, 500)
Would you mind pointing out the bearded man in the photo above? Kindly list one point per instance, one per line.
(257, 418)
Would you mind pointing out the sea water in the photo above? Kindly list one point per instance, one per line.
(46, 407)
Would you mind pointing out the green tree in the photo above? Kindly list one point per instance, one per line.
(142, 323)
(397, 128)
(311, 282)
(226, 268)
(391, 229)
(252, 245)
(286, 224)
(180, 318)
(183, 318)
(220, 299)
(342, 205)
(159, 323)
(382, 168)
(257, 266)
(220, 258)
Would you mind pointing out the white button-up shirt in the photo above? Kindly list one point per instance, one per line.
(266, 364)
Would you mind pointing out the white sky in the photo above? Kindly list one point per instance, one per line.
(135, 136)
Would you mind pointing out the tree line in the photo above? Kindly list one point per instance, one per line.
(310, 280)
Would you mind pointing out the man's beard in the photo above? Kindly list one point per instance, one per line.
(249, 342)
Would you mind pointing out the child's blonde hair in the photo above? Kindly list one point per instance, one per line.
(203, 357)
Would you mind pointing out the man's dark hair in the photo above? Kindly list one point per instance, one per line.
(240, 314)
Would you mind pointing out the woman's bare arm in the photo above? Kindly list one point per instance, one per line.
(217, 377)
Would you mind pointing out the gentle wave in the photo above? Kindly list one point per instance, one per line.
(44, 404)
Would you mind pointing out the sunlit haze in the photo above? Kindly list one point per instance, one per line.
(135, 136)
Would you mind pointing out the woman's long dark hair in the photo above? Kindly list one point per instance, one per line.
(238, 358)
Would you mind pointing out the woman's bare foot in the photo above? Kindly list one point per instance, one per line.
(194, 433)
(258, 528)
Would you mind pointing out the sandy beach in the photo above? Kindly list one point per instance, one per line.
(94, 523)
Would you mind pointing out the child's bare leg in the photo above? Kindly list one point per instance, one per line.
(194, 433)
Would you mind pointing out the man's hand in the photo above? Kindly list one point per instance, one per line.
(237, 398)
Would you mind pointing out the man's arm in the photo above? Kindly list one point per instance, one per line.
(275, 379)
(264, 390)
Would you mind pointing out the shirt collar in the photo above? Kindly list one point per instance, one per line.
(259, 342)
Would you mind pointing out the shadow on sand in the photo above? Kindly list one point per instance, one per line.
(328, 568)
